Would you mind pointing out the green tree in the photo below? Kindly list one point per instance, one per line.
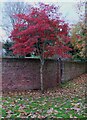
(78, 40)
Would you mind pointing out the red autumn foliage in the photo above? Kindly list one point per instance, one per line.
(41, 31)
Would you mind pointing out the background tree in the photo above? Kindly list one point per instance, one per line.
(11, 8)
(78, 40)
(80, 9)
(85, 31)
(42, 32)
(6, 47)
(78, 34)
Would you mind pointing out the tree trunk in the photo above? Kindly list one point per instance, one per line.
(41, 76)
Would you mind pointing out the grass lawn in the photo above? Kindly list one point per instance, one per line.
(65, 102)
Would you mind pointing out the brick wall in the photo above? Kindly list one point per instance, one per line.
(24, 73)
(72, 69)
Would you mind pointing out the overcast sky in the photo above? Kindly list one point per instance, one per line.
(46, 1)
(67, 7)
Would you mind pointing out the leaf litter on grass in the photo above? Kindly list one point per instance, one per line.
(64, 102)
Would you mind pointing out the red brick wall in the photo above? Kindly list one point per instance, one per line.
(24, 74)
(72, 69)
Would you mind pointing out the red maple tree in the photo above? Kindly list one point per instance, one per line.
(42, 32)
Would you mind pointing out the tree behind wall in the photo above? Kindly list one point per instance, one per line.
(78, 41)
(9, 53)
(78, 33)
(41, 32)
(6, 47)
(9, 9)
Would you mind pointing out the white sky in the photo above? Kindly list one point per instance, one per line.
(67, 8)
(46, 1)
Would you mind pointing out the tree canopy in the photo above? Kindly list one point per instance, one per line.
(41, 31)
